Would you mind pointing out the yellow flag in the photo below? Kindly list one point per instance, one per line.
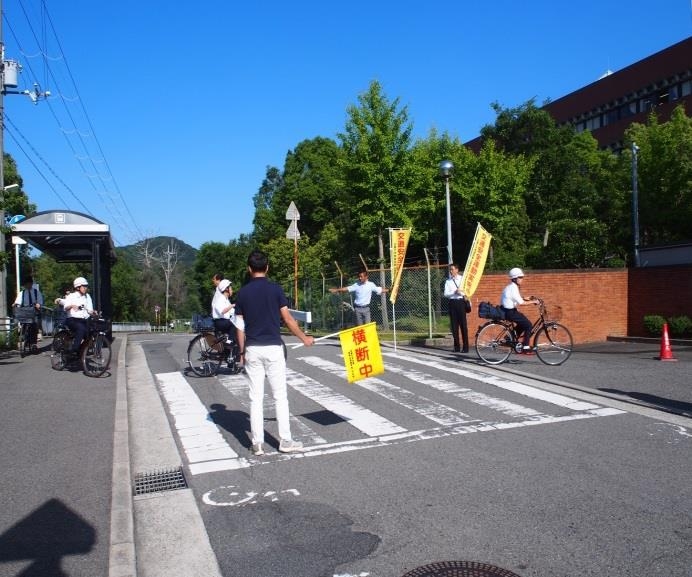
(476, 261)
(361, 349)
(398, 241)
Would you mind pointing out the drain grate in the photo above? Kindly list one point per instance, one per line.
(160, 480)
(459, 569)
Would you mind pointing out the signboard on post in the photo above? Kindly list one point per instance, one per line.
(293, 234)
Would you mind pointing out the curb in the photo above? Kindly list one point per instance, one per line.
(122, 560)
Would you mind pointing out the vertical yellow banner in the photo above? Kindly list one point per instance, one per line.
(475, 264)
(398, 241)
(361, 349)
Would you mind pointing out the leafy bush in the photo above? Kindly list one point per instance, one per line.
(654, 324)
(680, 326)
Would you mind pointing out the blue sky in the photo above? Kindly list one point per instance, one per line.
(163, 116)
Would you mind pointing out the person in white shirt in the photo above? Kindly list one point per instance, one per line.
(457, 308)
(30, 296)
(223, 310)
(79, 308)
(509, 301)
(363, 289)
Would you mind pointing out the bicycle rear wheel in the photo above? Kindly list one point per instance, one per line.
(554, 344)
(202, 356)
(494, 342)
(96, 355)
(62, 341)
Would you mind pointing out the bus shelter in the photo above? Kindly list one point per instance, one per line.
(73, 237)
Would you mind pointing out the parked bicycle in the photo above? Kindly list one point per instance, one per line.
(94, 353)
(208, 349)
(551, 341)
(27, 326)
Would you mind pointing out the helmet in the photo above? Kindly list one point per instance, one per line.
(516, 272)
(224, 284)
(80, 281)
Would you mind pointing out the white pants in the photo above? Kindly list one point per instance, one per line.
(269, 362)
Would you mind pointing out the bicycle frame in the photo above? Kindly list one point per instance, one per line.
(551, 341)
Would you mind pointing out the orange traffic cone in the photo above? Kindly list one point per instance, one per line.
(666, 351)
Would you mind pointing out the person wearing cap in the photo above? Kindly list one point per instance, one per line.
(509, 301)
(30, 296)
(223, 310)
(78, 307)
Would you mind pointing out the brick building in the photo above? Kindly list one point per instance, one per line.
(608, 106)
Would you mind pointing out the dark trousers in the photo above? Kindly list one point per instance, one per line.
(523, 324)
(226, 326)
(457, 321)
(79, 330)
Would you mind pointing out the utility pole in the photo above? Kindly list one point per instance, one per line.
(168, 271)
(3, 272)
(8, 78)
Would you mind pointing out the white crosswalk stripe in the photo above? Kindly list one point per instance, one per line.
(207, 448)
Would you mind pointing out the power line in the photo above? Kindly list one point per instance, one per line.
(107, 190)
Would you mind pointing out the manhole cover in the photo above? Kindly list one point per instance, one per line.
(459, 569)
(160, 480)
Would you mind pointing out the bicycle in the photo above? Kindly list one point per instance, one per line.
(208, 349)
(27, 330)
(94, 353)
(551, 341)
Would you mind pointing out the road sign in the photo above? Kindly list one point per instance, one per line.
(292, 212)
(293, 233)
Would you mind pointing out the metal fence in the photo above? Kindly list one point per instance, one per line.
(420, 308)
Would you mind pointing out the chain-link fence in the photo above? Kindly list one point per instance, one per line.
(420, 308)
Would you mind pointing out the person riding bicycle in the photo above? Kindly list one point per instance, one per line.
(223, 311)
(79, 308)
(30, 296)
(509, 301)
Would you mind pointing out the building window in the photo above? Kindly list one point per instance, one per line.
(686, 88)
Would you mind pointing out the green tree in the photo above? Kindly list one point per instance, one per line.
(266, 223)
(664, 170)
(377, 168)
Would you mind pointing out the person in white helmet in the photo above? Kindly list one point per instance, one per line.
(509, 301)
(78, 307)
(223, 310)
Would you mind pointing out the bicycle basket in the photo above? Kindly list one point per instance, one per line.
(553, 312)
(100, 325)
(490, 311)
(25, 314)
(202, 323)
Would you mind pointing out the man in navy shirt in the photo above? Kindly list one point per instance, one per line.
(262, 305)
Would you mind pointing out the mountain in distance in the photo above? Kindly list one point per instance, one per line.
(158, 246)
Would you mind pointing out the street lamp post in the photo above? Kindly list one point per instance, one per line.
(635, 204)
(446, 168)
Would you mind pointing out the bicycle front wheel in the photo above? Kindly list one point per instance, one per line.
(202, 356)
(553, 344)
(96, 355)
(494, 343)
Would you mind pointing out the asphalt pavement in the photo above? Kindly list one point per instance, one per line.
(69, 458)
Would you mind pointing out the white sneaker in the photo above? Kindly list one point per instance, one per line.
(290, 446)
(257, 449)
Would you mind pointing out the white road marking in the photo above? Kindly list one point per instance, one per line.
(503, 383)
(207, 450)
(199, 436)
(436, 412)
(361, 418)
(237, 385)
